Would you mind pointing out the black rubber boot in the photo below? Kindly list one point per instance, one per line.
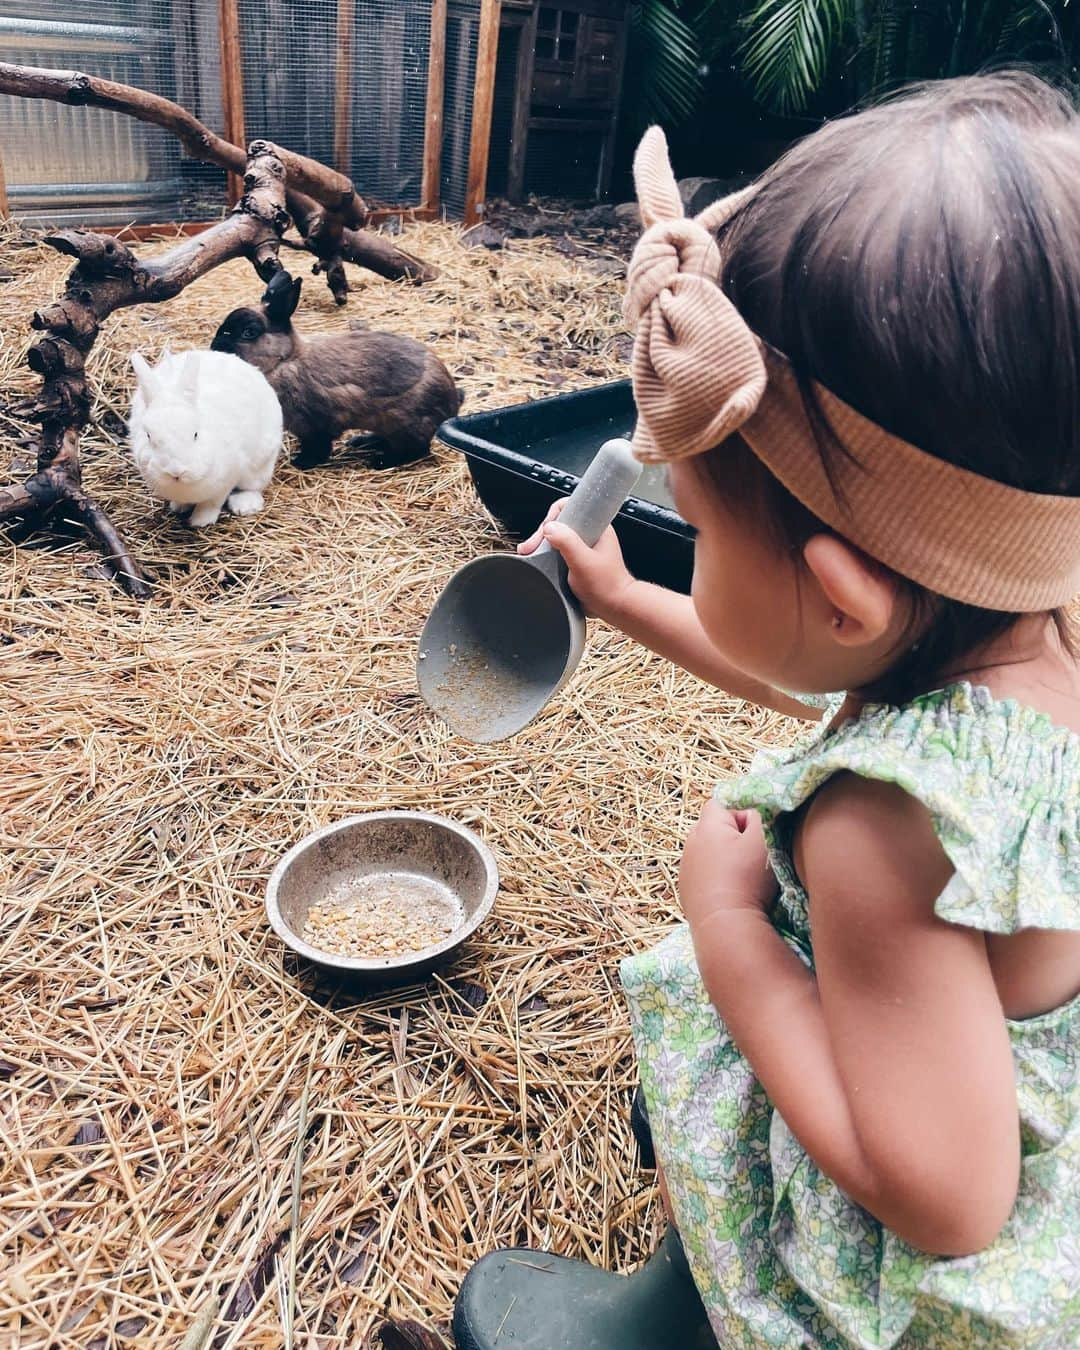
(527, 1300)
(639, 1125)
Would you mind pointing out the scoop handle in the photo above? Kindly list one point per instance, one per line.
(603, 488)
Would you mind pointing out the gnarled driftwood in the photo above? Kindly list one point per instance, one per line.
(107, 277)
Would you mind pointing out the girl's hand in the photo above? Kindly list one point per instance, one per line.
(597, 576)
(725, 865)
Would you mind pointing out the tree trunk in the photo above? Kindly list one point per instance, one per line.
(327, 210)
(107, 277)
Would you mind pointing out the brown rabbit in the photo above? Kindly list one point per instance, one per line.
(391, 386)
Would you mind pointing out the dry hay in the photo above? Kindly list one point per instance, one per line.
(161, 1060)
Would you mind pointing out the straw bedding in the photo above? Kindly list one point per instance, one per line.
(175, 1098)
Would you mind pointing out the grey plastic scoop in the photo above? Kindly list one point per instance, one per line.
(507, 632)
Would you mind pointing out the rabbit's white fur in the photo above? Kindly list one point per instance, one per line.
(205, 431)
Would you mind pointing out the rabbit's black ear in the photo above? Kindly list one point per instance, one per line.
(294, 294)
(281, 296)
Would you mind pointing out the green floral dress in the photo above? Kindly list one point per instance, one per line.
(781, 1256)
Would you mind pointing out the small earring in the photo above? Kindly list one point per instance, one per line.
(837, 620)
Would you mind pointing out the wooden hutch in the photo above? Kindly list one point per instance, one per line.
(558, 83)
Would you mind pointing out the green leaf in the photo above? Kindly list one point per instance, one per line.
(885, 35)
(788, 47)
(667, 62)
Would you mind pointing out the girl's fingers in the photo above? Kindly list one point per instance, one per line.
(574, 549)
(745, 823)
(720, 817)
(534, 540)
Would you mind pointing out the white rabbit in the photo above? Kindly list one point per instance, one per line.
(205, 431)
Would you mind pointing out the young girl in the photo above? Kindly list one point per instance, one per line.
(861, 1053)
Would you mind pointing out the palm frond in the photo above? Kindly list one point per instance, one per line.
(1035, 18)
(788, 46)
(667, 62)
(885, 34)
(716, 24)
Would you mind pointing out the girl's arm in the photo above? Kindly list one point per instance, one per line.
(667, 623)
(892, 1067)
(659, 619)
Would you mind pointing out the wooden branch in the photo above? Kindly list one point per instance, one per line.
(333, 244)
(377, 254)
(107, 276)
(316, 194)
(139, 234)
(487, 55)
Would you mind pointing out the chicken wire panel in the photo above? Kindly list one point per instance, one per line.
(290, 59)
(504, 99)
(86, 166)
(390, 83)
(462, 39)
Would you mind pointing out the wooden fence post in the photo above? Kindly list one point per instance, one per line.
(343, 88)
(5, 208)
(519, 136)
(430, 189)
(483, 103)
(232, 87)
(607, 152)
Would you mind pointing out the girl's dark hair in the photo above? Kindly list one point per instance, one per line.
(922, 261)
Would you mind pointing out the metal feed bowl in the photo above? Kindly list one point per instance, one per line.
(383, 843)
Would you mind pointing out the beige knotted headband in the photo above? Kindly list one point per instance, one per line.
(700, 374)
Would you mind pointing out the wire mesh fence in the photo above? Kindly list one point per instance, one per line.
(462, 41)
(66, 164)
(504, 97)
(343, 81)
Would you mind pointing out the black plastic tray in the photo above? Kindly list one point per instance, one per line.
(525, 457)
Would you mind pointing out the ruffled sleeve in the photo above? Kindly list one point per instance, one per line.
(1001, 784)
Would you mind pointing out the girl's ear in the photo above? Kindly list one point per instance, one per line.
(144, 375)
(860, 597)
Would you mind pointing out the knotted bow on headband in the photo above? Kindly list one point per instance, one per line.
(698, 369)
(701, 374)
